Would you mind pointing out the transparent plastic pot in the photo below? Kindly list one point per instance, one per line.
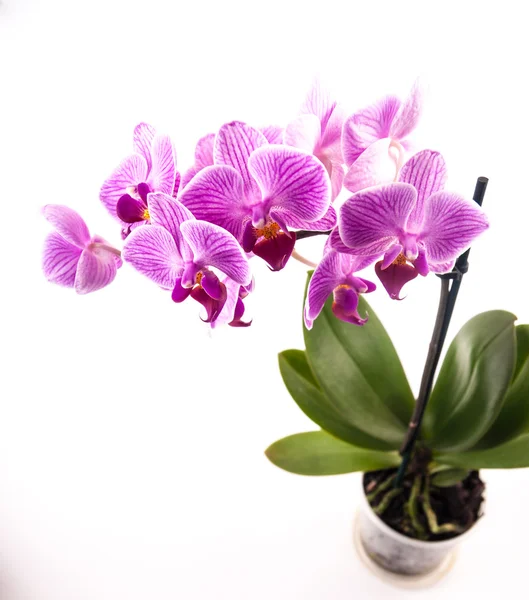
(401, 557)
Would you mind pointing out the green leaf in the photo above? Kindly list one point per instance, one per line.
(304, 389)
(471, 386)
(513, 419)
(449, 477)
(514, 454)
(360, 373)
(319, 453)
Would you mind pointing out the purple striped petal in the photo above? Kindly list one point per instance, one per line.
(152, 251)
(170, 214)
(187, 177)
(204, 151)
(293, 181)
(176, 187)
(273, 133)
(335, 242)
(331, 137)
(450, 225)
(377, 165)
(68, 223)
(328, 221)
(216, 195)
(352, 263)
(408, 116)
(142, 141)
(303, 133)
(318, 102)
(337, 178)
(163, 172)
(358, 262)
(426, 171)
(131, 171)
(322, 283)
(371, 221)
(97, 268)
(59, 261)
(213, 246)
(442, 267)
(233, 145)
(367, 126)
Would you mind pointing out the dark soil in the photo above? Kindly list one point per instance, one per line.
(459, 504)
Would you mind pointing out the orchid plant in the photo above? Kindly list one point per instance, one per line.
(258, 192)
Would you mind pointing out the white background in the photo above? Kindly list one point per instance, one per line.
(131, 439)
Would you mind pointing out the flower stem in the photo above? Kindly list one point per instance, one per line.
(306, 234)
(447, 302)
(108, 248)
(303, 260)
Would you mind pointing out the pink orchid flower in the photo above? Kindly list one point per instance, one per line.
(257, 191)
(74, 258)
(151, 168)
(179, 253)
(375, 140)
(336, 275)
(416, 225)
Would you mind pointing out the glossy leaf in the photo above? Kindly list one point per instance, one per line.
(513, 419)
(514, 454)
(304, 389)
(472, 382)
(360, 373)
(319, 453)
(449, 477)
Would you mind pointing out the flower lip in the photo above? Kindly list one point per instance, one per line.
(213, 306)
(275, 248)
(336, 275)
(130, 210)
(396, 275)
(345, 304)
